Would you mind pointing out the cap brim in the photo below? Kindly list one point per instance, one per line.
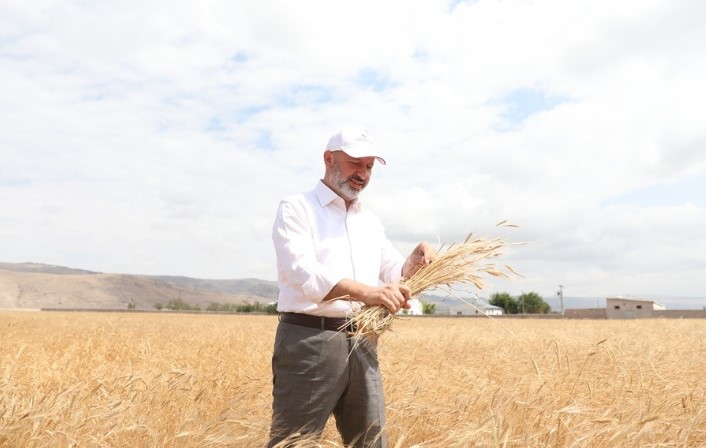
(361, 154)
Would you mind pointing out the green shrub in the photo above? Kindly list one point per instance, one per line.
(428, 308)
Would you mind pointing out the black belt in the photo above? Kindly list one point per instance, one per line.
(320, 322)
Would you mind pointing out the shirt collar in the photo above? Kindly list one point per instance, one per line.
(327, 196)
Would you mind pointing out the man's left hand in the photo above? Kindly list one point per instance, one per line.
(421, 256)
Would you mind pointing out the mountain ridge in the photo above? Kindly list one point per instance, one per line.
(31, 285)
(36, 285)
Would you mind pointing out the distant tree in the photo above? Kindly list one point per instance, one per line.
(428, 308)
(249, 307)
(180, 305)
(175, 304)
(505, 301)
(132, 305)
(245, 307)
(158, 306)
(213, 306)
(271, 308)
(533, 303)
(230, 308)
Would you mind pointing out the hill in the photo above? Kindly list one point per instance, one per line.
(36, 285)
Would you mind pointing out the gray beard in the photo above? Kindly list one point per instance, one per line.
(347, 191)
(343, 188)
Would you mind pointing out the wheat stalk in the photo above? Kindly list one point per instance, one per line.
(457, 263)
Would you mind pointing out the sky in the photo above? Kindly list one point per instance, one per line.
(158, 137)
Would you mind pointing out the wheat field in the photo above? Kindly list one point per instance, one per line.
(173, 380)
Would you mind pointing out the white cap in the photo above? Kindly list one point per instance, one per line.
(356, 141)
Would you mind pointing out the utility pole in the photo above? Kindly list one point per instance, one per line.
(560, 293)
(522, 298)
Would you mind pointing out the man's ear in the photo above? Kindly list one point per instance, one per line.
(328, 158)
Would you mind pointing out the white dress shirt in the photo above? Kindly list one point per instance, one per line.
(318, 243)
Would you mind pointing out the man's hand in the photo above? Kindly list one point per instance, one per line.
(421, 256)
(391, 296)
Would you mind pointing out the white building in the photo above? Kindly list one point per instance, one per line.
(483, 307)
(469, 306)
(622, 308)
(459, 306)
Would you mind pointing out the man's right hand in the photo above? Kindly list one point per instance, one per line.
(392, 296)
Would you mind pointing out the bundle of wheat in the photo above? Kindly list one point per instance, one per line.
(458, 263)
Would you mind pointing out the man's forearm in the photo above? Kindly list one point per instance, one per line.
(347, 287)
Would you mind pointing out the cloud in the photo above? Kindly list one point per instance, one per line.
(158, 138)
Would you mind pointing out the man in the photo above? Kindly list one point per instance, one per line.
(329, 248)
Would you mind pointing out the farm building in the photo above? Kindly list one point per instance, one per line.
(454, 305)
(472, 306)
(481, 306)
(622, 308)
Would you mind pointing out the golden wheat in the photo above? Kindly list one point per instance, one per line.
(459, 263)
(148, 380)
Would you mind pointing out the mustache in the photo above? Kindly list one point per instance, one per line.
(356, 178)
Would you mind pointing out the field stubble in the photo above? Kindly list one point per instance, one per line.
(153, 380)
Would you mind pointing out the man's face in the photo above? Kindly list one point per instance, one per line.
(347, 175)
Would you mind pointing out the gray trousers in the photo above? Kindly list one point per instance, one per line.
(317, 373)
